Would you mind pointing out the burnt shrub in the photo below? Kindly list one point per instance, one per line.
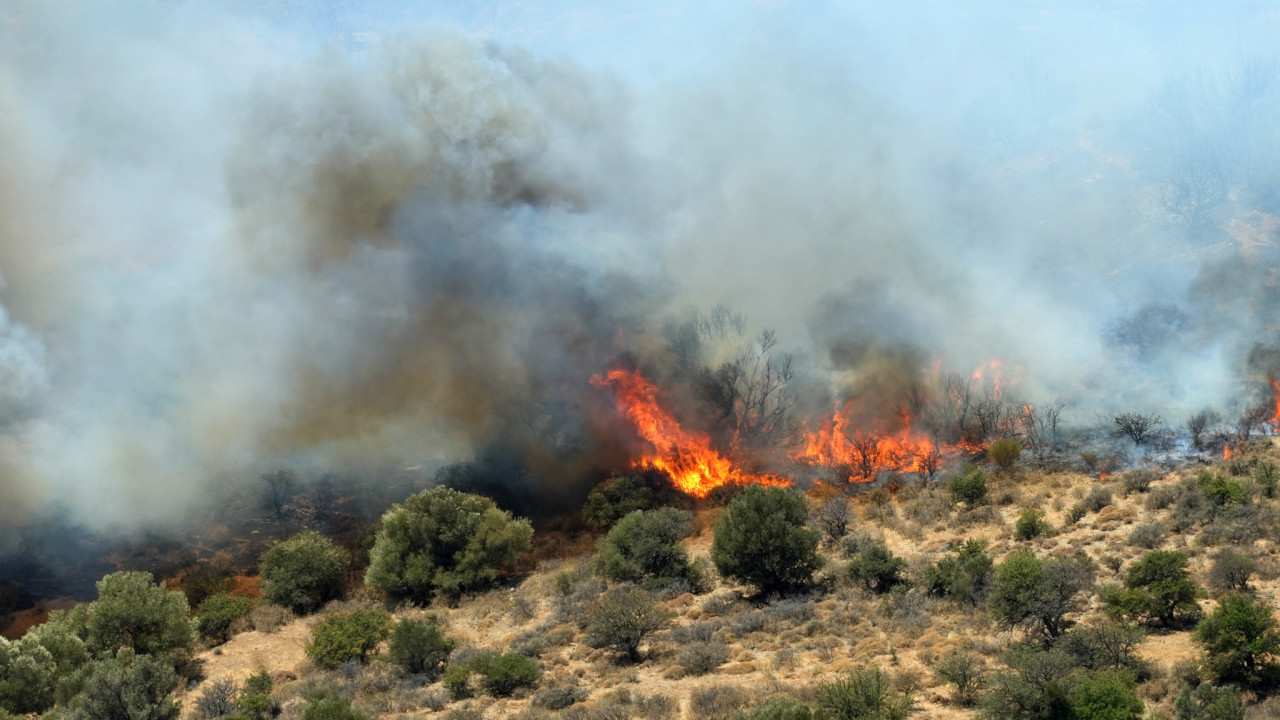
(833, 518)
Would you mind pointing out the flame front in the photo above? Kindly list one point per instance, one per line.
(687, 457)
(866, 452)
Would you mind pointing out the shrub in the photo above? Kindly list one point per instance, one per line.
(559, 698)
(268, 618)
(218, 699)
(778, 708)
(1156, 588)
(1107, 695)
(760, 539)
(1098, 498)
(1209, 703)
(1221, 491)
(878, 569)
(964, 670)
(1105, 646)
(1075, 513)
(1037, 594)
(303, 572)
(1140, 480)
(140, 685)
(133, 611)
(622, 618)
(1030, 524)
(1161, 498)
(502, 675)
(1231, 570)
(254, 700)
(1148, 536)
(867, 694)
(1267, 476)
(717, 701)
(1239, 640)
(27, 676)
(325, 704)
(443, 540)
(1034, 686)
(700, 658)
(217, 612)
(345, 636)
(969, 488)
(420, 647)
(833, 517)
(616, 498)
(644, 547)
(457, 680)
(965, 578)
(1004, 452)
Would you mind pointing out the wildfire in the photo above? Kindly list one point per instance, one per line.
(687, 457)
(865, 452)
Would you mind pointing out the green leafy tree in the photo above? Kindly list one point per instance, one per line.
(420, 647)
(866, 694)
(1206, 702)
(616, 498)
(133, 611)
(1038, 594)
(964, 577)
(644, 548)
(27, 675)
(1106, 695)
(1157, 588)
(254, 700)
(126, 686)
(622, 617)
(345, 636)
(1240, 640)
(63, 637)
(444, 541)
(303, 572)
(760, 539)
(1034, 686)
(878, 569)
(969, 488)
(1030, 524)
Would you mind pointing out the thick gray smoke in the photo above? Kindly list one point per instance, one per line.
(234, 238)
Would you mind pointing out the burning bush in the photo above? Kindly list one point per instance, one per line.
(442, 540)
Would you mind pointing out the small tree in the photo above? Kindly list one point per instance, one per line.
(969, 488)
(1030, 524)
(644, 547)
(878, 569)
(443, 540)
(1135, 426)
(1156, 588)
(622, 618)
(345, 636)
(1106, 694)
(126, 686)
(27, 676)
(1240, 640)
(760, 539)
(964, 670)
(133, 611)
(616, 498)
(1038, 594)
(833, 517)
(420, 647)
(1231, 570)
(303, 572)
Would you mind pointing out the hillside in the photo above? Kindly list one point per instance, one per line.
(792, 646)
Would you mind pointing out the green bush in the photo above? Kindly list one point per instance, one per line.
(1075, 513)
(760, 539)
(1231, 570)
(133, 611)
(502, 675)
(1221, 491)
(1209, 703)
(1030, 524)
(457, 680)
(969, 488)
(1004, 452)
(778, 708)
(345, 636)
(965, 577)
(1267, 476)
(325, 704)
(622, 617)
(27, 676)
(62, 636)
(644, 548)
(1037, 594)
(876, 568)
(217, 612)
(964, 670)
(1106, 695)
(1035, 685)
(303, 572)
(254, 700)
(420, 647)
(1098, 498)
(444, 541)
(1157, 588)
(1105, 646)
(1240, 641)
(125, 686)
(616, 498)
(867, 694)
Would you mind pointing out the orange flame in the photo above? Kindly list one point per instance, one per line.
(687, 457)
(864, 452)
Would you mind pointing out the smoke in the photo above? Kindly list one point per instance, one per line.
(235, 238)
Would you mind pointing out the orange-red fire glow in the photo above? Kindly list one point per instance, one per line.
(840, 442)
(687, 457)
